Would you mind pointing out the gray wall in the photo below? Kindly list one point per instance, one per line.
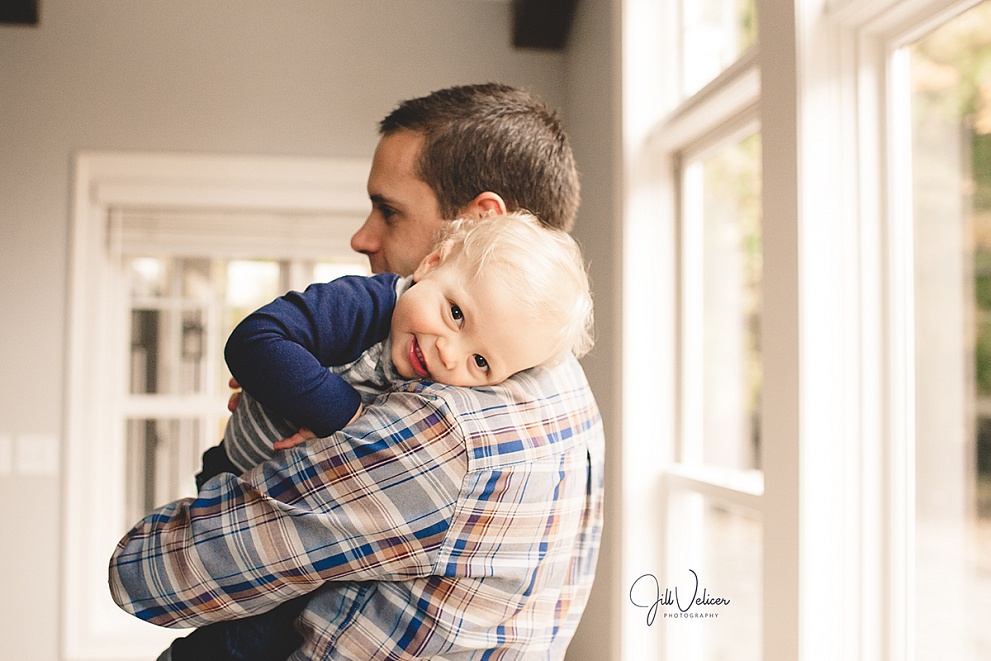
(593, 102)
(309, 77)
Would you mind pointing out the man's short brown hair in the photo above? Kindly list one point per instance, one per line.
(497, 138)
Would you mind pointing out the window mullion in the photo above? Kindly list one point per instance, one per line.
(742, 489)
(722, 103)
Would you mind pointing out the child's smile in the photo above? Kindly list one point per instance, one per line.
(416, 359)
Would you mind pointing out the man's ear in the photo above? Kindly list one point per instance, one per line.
(428, 264)
(485, 204)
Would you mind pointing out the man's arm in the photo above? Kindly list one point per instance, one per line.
(371, 503)
(279, 353)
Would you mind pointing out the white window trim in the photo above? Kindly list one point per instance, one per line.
(94, 628)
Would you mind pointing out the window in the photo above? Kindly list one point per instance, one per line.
(721, 265)
(169, 253)
(695, 254)
(719, 440)
(819, 448)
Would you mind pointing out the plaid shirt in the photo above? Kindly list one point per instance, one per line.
(446, 523)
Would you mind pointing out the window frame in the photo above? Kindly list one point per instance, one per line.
(93, 627)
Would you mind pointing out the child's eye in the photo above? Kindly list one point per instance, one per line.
(481, 363)
(457, 315)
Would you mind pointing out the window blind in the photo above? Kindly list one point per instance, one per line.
(232, 233)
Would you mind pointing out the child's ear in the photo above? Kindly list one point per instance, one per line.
(485, 204)
(428, 264)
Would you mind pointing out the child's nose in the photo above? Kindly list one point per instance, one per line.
(447, 351)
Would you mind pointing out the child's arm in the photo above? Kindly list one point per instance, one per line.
(279, 354)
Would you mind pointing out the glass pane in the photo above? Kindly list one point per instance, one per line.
(722, 266)
(245, 286)
(144, 351)
(169, 303)
(714, 35)
(252, 283)
(192, 347)
(715, 554)
(197, 280)
(163, 457)
(166, 351)
(951, 169)
(148, 276)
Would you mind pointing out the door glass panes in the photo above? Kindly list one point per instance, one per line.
(951, 185)
(722, 266)
(714, 34)
(181, 311)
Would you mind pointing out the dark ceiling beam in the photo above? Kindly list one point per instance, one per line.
(542, 23)
(22, 12)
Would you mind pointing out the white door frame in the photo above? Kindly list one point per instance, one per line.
(93, 479)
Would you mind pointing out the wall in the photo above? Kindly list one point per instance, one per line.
(593, 93)
(309, 77)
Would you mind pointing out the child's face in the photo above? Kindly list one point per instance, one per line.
(451, 329)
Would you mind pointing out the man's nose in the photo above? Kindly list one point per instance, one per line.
(365, 239)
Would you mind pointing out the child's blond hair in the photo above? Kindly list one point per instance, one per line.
(543, 267)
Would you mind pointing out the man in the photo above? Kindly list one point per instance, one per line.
(444, 522)
(463, 151)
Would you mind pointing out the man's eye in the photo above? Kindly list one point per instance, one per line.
(481, 363)
(386, 212)
(457, 315)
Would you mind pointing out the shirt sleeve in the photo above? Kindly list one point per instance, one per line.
(373, 502)
(280, 353)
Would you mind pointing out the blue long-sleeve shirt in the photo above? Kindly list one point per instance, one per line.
(280, 353)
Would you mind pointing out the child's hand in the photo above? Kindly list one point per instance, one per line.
(300, 437)
(235, 396)
(357, 413)
(304, 434)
